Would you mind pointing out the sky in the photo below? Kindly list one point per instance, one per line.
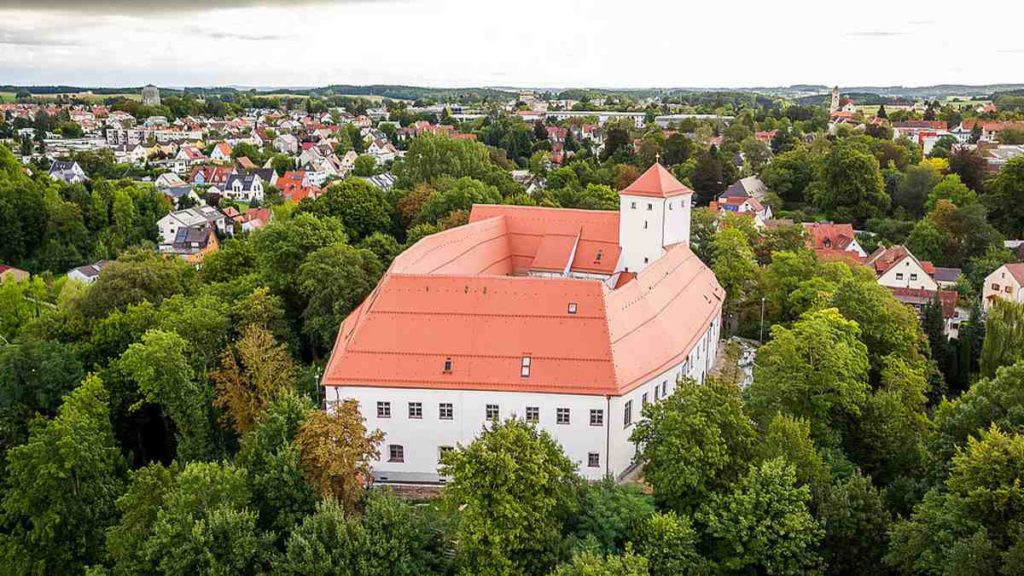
(526, 43)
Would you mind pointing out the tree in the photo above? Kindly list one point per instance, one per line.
(677, 149)
(34, 377)
(365, 165)
(282, 163)
(1006, 198)
(970, 166)
(734, 266)
(790, 438)
(334, 280)
(708, 178)
(1004, 332)
(952, 189)
(669, 542)
(336, 451)
(608, 513)
(61, 486)
(694, 443)
(138, 507)
(384, 246)
(856, 522)
(915, 188)
(135, 277)
(887, 326)
(401, 541)
(159, 365)
(272, 464)
(815, 370)
(360, 206)
(763, 525)
(253, 371)
(431, 157)
(850, 186)
(327, 542)
(790, 174)
(589, 563)
(515, 490)
(703, 225)
(451, 195)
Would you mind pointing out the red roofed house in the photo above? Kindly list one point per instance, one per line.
(13, 274)
(295, 187)
(833, 241)
(913, 282)
(570, 319)
(221, 152)
(1005, 283)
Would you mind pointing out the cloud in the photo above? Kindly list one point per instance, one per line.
(36, 37)
(227, 35)
(876, 34)
(157, 6)
(1010, 51)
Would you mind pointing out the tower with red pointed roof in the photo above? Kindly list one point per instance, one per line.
(654, 213)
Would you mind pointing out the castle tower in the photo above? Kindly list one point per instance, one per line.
(151, 95)
(834, 107)
(654, 213)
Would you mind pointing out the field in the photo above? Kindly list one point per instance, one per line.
(8, 97)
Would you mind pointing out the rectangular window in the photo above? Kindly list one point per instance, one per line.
(643, 399)
(669, 205)
(491, 412)
(396, 453)
(562, 415)
(532, 414)
(593, 460)
(445, 411)
(416, 410)
(383, 409)
(1008, 289)
(524, 369)
(645, 224)
(650, 206)
(627, 414)
(448, 365)
(632, 205)
(441, 451)
(913, 276)
(899, 275)
(995, 287)
(597, 417)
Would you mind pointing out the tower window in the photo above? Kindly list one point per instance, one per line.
(445, 411)
(383, 409)
(597, 417)
(669, 205)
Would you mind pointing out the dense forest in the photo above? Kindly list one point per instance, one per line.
(167, 419)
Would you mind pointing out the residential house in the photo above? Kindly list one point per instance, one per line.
(221, 152)
(210, 175)
(295, 186)
(68, 172)
(254, 219)
(192, 244)
(130, 154)
(946, 277)
(749, 187)
(385, 181)
(10, 273)
(382, 151)
(89, 273)
(287, 144)
(745, 205)
(197, 217)
(832, 241)
(1005, 283)
(186, 158)
(896, 267)
(245, 187)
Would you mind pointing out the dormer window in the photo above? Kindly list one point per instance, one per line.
(597, 257)
(572, 307)
(524, 369)
(448, 365)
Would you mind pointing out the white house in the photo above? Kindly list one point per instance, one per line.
(89, 273)
(1005, 283)
(530, 312)
(67, 171)
(286, 143)
(197, 217)
(221, 152)
(244, 187)
(896, 267)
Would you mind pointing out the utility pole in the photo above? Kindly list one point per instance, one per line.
(760, 337)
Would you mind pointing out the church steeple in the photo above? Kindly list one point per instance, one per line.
(834, 107)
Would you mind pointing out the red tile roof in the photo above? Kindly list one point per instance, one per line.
(452, 296)
(1017, 271)
(828, 236)
(657, 182)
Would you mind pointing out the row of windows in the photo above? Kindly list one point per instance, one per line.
(396, 453)
(632, 206)
(527, 361)
(446, 411)
(899, 276)
(995, 287)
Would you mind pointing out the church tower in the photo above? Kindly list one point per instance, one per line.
(834, 107)
(654, 213)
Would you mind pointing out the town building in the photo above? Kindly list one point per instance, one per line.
(10, 273)
(88, 273)
(569, 319)
(833, 241)
(1005, 283)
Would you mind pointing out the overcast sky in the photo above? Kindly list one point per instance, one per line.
(531, 43)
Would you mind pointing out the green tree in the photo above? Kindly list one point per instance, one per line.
(952, 189)
(401, 540)
(1004, 333)
(272, 464)
(590, 563)
(815, 370)
(915, 188)
(850, 185)
(887, 326)
(34, 377)
(365, 165)
(451, 195)
(360, 206)
(734, 266)
(763, 525)
(253, 372)
(696, 442)
(61, 486)
(384, 246)
(856, 521)
(334, 280)
(327, 542)
(159, 364)
(135, 277)
(669, 542)
(1005, 198)
(138, 507)
(608, 514)
(515, 491)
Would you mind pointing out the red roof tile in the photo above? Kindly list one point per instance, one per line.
(657, 182)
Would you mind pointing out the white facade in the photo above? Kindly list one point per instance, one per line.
(647, 225)
(908, 273)
(591, 429)
(1003, 285)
